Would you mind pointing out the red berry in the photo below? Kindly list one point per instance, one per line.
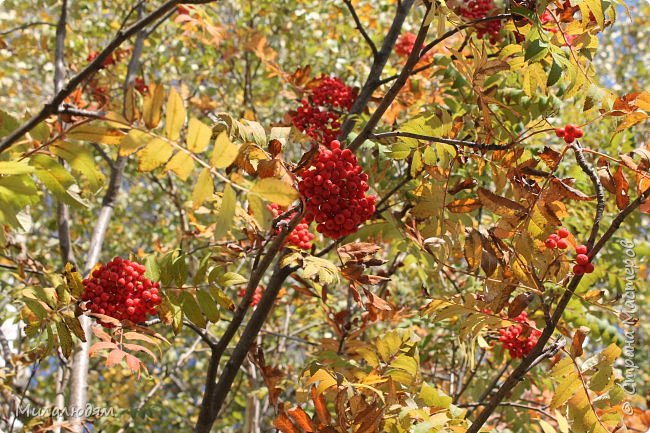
(550, 244)
(581, 249)
(568, 138)
(579, 133)
(570, 129)
(554, 236)
(589, 268)
(582, 259)
(578, 269)
(563, 232)
(559, 132)
(562, 244)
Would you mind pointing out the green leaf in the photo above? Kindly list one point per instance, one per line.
(57, 180)
(275, 191)
(8, 123)
(152, 271)
(226, 213)
(192, 310)
(198, 135)
(536, 50)
(433, 397)
(65, 339)
(15, 167)
(175, 118)
(323, 270)
(231, 279)
(80, 160)
(554, 74)
(208, 306)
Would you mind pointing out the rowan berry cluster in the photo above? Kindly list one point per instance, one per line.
(570, 132)
(119, 289)
(319, 115)
(405, 44)
(583, 262)
(300, 237)
(477, 9)
(519, 338)
(558, 239)
(334, 188)
(257, 296)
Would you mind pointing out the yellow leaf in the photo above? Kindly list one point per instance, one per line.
(225, 152)
(175, 115)
(275, 191)
(153, 103)
(182, 164)
(95, 134)
(631, 120)
(643, 101)
(325, 380)
(154, 154)
(596, 7)
(198, 135)
(15, 167)
(226, 213)
(565, 389)
(203, 189)
(132, 141)
(546, 427)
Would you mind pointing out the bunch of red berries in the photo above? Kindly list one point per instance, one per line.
(519, 338)
(570, 132)
(333, 93)
(257, 296)
(583, 262)
(334, 188)
(319, 115)
(477, 9)
(300, 237)
(558, 239)
(405, 44)
(323, 126)
(119, 289)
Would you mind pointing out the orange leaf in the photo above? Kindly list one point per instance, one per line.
(463, 205)
(320, 406)
(284, 424)
(115, 357)
(301, 418)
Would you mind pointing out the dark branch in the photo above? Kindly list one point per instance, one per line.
(397, 85)
(450, 141)
(361, 29)
(377, 67)
(600, 193)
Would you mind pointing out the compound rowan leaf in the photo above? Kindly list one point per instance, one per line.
(152, 105)
(175, 118)
(198, 135)
(226, 212)
(463, 205)
(499, 205)
(203, 188)
(182, 164)
(95, 134)
(275, 191)
(225, 151)
(154, 154)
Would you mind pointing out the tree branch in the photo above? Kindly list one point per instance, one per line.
(450, 141)
(388, 98)
(600, 193)
(521, 370)
(361, 29)
(51, 107)
(377, 67)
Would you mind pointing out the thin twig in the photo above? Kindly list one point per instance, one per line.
(361, 29)
(450, 141)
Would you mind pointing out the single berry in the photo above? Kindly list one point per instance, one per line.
(550, 244)
(582, 259)
(589, 268)
(562, 244)
(559, 132)
(578, 269)
(579, 133)
(554, 236)
(570, 129)
(563, 232)
(581, 249)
